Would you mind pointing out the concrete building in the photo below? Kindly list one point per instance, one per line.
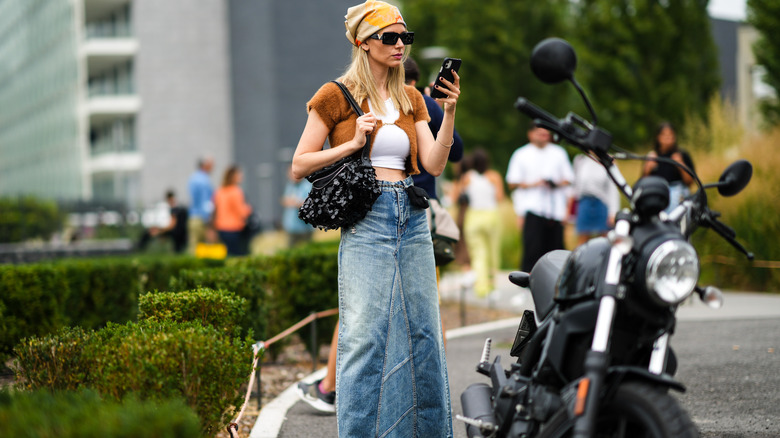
(742, 81)
(115, 100)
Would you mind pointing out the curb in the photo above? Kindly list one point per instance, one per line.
(271, 417)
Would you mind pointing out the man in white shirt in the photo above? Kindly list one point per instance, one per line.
(539, 174)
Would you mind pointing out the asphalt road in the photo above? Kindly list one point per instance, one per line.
(728, 359)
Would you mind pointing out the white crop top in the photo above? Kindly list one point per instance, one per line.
(391, 144)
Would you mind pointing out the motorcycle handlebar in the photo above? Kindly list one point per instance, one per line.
(728, 234)
(526, 107)
(571, 128)
(593, 139)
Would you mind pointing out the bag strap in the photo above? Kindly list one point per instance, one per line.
(433, 217)
(366, 148)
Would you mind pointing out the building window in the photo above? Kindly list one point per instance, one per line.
(117, 80)
(117, 24)
(115, 137)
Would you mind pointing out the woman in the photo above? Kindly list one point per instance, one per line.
(597, 199)
(231, 212)
(484, 188)
(391, 375)
(666, 146)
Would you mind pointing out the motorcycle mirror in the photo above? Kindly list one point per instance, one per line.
(735, 178)
(553, 60)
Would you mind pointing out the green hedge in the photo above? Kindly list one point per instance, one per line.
(156, 360)
(248, 283)
(299, 281)
(27, 217)
(217, 308)
(32, 303)
(40, 298)
(282, 289)
(84, 414)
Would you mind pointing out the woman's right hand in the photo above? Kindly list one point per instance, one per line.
(365, 125)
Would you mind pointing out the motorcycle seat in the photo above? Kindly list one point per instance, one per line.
(544, 278)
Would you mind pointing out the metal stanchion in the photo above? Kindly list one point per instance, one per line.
(314, 343)
(462, 305)
(259, 387)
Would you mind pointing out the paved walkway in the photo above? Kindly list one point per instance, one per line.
(288, 417)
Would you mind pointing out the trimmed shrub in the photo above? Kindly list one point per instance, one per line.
(31, 303)
(83, 414)
(220, 309)
(101, 291)
(154, 359)
(156, 272)
(28, 217)
(41, 298)
(300, 281)
(247, 283)
(55, 362)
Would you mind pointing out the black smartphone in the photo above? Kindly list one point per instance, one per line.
(447, 67)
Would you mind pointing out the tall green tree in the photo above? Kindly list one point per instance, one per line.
(764, 15)
(645, 61)
(494, 38)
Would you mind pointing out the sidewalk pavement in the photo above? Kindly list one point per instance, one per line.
(288, 417)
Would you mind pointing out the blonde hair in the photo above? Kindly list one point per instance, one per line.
(360, 81)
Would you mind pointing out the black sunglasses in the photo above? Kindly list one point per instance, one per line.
(390, 38)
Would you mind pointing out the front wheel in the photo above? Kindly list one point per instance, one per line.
(638, 410)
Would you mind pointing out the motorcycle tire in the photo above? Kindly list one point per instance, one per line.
(637, 410)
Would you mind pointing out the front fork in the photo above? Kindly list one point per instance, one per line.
(597, 359)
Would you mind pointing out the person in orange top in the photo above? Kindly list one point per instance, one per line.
(231, 212)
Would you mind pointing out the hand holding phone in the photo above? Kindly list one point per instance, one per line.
(447, 67)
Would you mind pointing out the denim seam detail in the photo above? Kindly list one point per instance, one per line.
(395, 368)
(411, 350)
(390, 429)
(384, 357)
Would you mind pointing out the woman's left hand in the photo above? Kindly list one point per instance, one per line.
(452, 91)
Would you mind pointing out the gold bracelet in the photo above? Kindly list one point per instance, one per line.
(451, 143)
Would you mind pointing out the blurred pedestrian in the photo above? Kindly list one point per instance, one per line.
(484, 189)
(596, 198)
(461, 200)
(175, 229)
(295, 192)
(201, 203)
(665, 145)
(231, 212)
(539, 174)
(425, 179)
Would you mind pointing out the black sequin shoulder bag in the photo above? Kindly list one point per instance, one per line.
(342, 193)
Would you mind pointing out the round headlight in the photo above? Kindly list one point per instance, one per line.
(672, 271)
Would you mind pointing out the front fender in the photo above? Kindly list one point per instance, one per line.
(618, 374)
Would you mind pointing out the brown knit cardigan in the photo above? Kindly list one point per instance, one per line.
(340, 119)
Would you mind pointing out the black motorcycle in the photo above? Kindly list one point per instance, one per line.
(594, 359)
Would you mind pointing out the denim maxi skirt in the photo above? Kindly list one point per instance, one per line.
(391, 374)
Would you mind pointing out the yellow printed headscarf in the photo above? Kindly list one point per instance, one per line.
(366, 19)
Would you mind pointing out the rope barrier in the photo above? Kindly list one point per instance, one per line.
(724, 260)
(263, 345)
